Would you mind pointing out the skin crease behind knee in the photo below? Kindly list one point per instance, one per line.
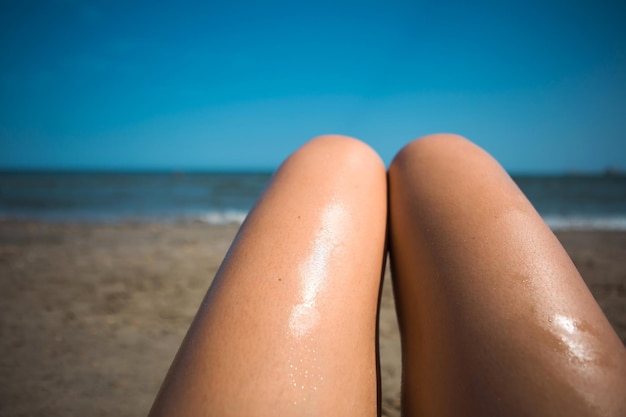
(495, 319)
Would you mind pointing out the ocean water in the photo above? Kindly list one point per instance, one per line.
(114, 196)
(565, 202)
(578, 201)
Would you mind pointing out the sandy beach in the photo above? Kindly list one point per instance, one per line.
(91, 315)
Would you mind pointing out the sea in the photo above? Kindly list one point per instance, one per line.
(566, 202)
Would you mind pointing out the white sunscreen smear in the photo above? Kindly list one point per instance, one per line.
(314, 270)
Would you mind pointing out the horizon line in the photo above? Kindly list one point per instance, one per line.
(606, 172)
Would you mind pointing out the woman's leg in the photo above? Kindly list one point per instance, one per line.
(288, 325)
(495, 318)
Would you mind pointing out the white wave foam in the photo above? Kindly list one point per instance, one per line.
(554, 222)
(224, 217)
(586, 223)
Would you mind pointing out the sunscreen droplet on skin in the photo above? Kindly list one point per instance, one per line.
(570, 336)
(303, 318)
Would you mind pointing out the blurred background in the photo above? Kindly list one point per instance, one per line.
(188, 87)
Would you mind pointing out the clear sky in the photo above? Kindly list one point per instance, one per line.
(124, 84)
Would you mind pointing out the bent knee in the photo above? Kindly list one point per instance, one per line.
(435, 143)
(346, 151)
(445, 149)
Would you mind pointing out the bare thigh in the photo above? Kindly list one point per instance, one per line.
(495, 318)
(288, 325)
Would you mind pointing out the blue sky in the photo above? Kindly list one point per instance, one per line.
(212, 85)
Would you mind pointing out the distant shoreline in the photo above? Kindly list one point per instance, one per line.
(235, 218)
(587, 202)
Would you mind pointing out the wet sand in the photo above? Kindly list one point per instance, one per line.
(92, 315)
